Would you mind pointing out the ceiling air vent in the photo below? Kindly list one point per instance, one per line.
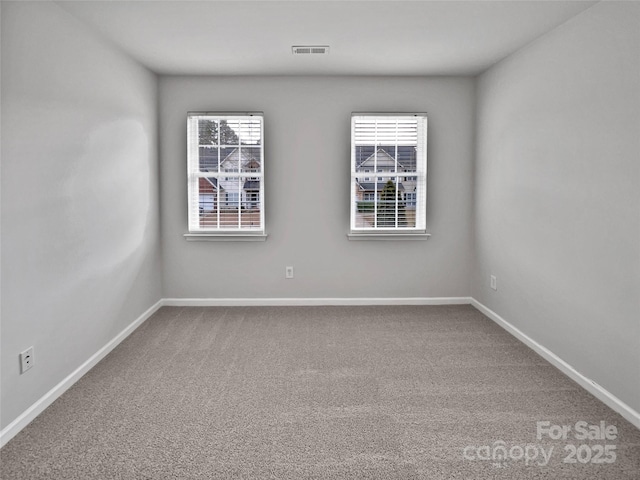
(310, 50)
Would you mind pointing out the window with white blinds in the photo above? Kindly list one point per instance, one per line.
(225, 173)
(395, 147)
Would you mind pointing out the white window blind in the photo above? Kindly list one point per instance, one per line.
(395, 147)
(225, 173)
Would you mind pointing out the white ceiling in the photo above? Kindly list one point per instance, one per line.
(366, 37)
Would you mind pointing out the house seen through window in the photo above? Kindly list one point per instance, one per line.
(225, 173)
(395, 147)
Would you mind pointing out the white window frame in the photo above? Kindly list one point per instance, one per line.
(383, 232)
(197, 231)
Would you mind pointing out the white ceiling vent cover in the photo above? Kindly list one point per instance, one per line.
(310, 50)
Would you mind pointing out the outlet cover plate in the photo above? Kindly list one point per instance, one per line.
(26, 360)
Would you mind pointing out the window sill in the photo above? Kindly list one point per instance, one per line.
(225, 237)
(388, 236)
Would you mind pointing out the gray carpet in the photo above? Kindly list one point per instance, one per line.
(316, 393)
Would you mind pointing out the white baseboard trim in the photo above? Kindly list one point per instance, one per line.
(48, 398)
(264, 302)
(589, 385)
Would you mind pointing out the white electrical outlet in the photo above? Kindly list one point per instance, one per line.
(494, 283)
(288, 272)
(26, 360)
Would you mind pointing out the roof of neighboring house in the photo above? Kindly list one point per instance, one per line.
(209, 159)
(371, 186)
(251, 185)
(406, 155)
(211, 181)
(247, 161)
(382, 157)
(253, 163)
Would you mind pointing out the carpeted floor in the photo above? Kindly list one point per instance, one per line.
(424, 392)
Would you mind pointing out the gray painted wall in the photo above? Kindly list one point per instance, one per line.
(557, 197)
(80, 229)
(307, 148)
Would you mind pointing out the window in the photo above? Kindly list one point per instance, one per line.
(233, 199)
(369, 196)
(207, 203)
(395, 147)
(225, 173)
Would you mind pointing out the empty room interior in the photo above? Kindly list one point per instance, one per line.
(320, 239)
